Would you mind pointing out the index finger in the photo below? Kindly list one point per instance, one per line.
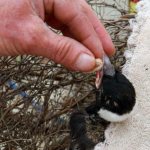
(70, 13)
(103, 35)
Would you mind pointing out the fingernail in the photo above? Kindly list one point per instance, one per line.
(99, 65)
(85, 63)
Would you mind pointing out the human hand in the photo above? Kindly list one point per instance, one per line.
(23, 31)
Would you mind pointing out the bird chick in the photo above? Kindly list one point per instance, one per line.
(115, 99)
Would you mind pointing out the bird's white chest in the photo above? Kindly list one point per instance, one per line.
(112, 117)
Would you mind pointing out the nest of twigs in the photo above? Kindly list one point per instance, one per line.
(37, 95)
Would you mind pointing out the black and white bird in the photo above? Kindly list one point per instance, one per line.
(115, 99)
(116, 96)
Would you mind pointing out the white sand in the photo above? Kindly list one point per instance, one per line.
(134, 133)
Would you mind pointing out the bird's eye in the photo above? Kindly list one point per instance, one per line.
(115, 104)
(107, 102)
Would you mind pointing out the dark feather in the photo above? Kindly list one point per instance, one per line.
(80, 140)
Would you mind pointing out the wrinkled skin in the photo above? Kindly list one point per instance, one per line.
(23, 31)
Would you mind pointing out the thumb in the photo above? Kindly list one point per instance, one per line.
(72, 54)
(63, 50)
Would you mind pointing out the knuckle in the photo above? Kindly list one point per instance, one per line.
(62, 50)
